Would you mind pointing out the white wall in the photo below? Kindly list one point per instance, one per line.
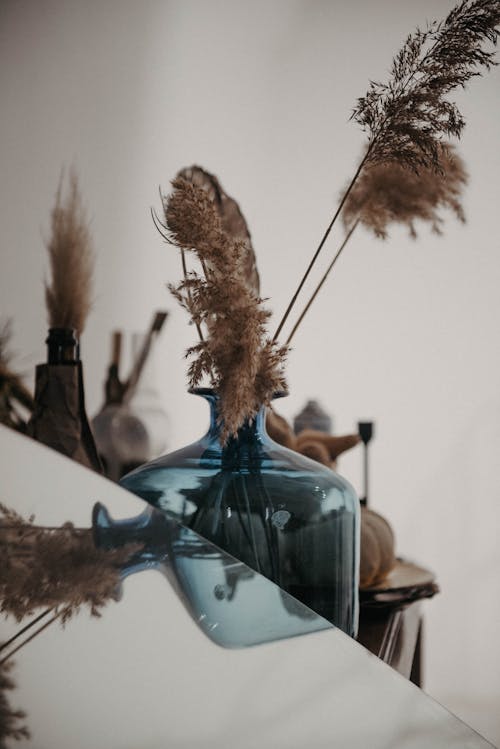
(406, 333)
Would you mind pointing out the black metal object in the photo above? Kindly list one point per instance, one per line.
(365, 431)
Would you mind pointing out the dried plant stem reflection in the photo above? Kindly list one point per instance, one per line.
(37, 632)
(55, 569)
(20, 632)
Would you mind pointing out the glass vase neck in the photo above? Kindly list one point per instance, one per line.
(251, 429)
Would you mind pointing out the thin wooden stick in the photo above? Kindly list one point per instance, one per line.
(318, 287)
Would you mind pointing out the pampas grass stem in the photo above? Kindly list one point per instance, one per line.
(320, 246)
(407, 118)
(320, 284)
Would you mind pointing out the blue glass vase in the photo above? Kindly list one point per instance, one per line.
(287, 517)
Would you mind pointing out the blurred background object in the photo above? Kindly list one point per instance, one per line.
(59, 419)
(313, 416)
(16, 402)
(365, 431)
(132, 425)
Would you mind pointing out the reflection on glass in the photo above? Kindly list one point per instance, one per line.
(234, 606)
(285, 516)
(162, 682)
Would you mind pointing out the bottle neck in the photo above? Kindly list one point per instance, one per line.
(62, 346)
(113, 387)
(250, 431)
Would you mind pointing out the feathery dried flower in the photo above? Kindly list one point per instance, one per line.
(232, 220)
(244, 367)
(61, 568)
(388, 192)
(11, 726)
(71, 256)
(407, 117)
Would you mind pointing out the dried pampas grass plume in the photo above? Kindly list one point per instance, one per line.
(389, 193)
(232, 220)
(54, 567)
(407, 118)
(11, 721)
(71, 257)
(243, 366)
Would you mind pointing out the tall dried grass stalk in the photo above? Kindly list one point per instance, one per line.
(389, 193)
(71, 258)
(407, 118)
(321, 283)
(242, 364)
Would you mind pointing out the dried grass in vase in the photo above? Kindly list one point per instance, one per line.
(389, 193)
(71, 257)
(408, 119)
(235, 354)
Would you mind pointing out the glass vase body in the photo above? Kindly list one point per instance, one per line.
(287, 517)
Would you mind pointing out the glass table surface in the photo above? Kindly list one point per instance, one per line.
(232, 663)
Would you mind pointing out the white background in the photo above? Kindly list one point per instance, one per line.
(405, 333)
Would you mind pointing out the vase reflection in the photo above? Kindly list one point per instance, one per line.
(232, 604)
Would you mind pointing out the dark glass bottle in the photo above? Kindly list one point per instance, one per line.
(59, 419)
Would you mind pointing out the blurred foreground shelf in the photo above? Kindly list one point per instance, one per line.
(390, 621)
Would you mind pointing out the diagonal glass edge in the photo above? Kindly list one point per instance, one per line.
(233, 605)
